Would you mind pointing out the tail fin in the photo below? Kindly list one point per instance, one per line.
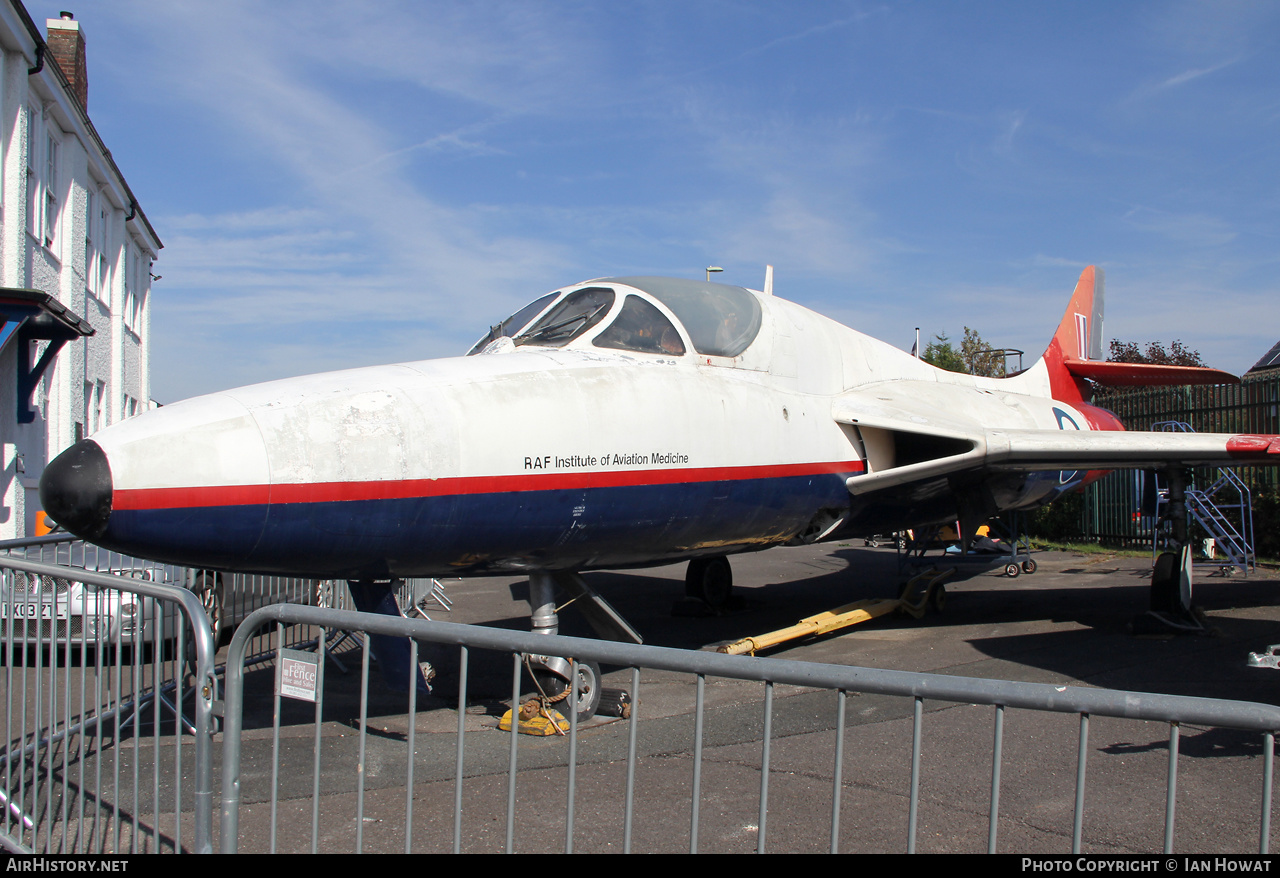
(1075, 353)
(1079, 337)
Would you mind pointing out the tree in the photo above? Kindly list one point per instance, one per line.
(978, 356)
(1176, 355)
(973, 358)
(1155, 352)
(940, 353)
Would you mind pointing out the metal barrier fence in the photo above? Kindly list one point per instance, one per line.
(228, 598)
(353, 807)
(101, 664)
(102, 674)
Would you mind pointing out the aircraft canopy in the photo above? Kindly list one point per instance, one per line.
(720, 320)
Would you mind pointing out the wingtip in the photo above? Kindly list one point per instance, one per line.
(1253, 445)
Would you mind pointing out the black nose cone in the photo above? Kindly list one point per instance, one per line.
(76, 489)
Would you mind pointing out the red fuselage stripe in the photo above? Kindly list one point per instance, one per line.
(331, 492)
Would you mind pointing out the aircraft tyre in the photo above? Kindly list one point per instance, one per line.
(939, 598)
(1012, 571)
(1028, 566)
(553, 686)
(710, 580)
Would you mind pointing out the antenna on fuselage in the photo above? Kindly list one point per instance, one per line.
(768, 280)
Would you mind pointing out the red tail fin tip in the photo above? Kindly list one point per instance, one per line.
(1079, 336)
(1075, 353)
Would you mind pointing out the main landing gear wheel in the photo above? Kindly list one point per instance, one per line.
(1028, 566)
(1012, 570)
(710, 580)
(554, 687)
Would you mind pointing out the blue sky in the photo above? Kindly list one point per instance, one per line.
(342, 184)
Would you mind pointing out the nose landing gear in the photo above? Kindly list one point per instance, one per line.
(552, 674)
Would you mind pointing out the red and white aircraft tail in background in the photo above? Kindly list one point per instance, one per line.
(619, 422)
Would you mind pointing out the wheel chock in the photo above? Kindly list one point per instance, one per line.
(536, 719)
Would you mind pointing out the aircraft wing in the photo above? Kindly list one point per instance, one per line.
(949, 447)
(1029, 450)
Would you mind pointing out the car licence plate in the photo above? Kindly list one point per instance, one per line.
(34, 611)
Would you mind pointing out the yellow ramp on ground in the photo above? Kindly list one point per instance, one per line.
(916, 595)
(812, 626)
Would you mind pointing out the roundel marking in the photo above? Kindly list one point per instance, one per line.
(1063, 419)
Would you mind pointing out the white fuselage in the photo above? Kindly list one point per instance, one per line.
(555, 457)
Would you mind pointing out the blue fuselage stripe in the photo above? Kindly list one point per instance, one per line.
(569, 528)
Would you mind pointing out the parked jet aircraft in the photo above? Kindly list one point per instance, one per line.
(619, 422)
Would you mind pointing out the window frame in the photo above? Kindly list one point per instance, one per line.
(51, 202)
(602, 340)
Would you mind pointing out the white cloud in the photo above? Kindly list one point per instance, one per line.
(382, 183)
(357, 236)
(1012, 124)
(1180, 79)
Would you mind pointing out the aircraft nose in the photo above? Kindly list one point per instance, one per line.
(75, 489)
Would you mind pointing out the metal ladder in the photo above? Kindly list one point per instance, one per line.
(1224, 510)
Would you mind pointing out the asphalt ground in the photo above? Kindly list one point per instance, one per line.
(1067, 624)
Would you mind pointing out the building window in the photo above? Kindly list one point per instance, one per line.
(33, 179)
(94, 395)
(134, 290)
(96, 269)
(44, 155)
(130, 309)
(90, 243)
(104, 265)
(130, 283)
(50, 224)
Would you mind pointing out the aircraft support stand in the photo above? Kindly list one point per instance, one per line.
(391, 653)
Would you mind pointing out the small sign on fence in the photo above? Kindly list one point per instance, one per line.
(298, 675)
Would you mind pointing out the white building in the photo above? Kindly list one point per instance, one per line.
(69, 227)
